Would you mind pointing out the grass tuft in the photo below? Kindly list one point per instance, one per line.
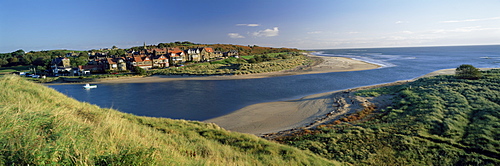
(41, 126)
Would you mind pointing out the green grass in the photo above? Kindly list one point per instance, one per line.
(237, 66)
(247, 57)
(433, 121)
(4, 70)
(40, 126)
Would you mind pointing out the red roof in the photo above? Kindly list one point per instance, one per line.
(111, 61)
(137, 59)
(174, 50)
(209, 49)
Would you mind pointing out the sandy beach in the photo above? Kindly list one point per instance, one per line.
(328, 64)
(306, 112)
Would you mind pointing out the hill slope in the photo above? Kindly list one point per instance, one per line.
(433, 121)
(41, 126)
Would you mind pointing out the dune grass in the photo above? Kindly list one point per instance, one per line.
(438, 120)
(271, 62)
(40, 126)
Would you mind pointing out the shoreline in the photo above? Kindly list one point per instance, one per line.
(282, 116)
(307, 112)
(327, 65)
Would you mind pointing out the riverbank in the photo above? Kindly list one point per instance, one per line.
(326, 65)
(307, 112)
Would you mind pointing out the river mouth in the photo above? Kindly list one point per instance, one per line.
(205, 99)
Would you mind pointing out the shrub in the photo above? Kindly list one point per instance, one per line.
(468, 72)
(139, 70)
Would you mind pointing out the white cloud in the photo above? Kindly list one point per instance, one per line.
(266, 32)
(400, 22)
(464, 29)
(406, 32)
(353, 32)
(315, 32)
(471, 20)
(235, 35)
(248, 25)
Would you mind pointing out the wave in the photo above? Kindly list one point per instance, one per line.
(381, 63)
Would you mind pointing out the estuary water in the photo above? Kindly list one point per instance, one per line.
(202, 100)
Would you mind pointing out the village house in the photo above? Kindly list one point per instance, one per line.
(146, 58)
(116, 64)
(194, 54)
(231, 53)
(81, 71)
(91, 69)
(176, 56)
(140, 61)
(217, 54)
(206, 53)
(160, 61)
(160, 51)
(61, 66)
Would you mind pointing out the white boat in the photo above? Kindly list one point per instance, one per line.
(88, 86)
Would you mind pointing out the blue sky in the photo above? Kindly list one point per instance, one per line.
(305, 24)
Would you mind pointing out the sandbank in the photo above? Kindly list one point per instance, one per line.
(306, 112)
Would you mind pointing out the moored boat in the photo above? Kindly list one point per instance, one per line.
(88, 86)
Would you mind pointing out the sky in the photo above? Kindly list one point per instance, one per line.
(34, 25)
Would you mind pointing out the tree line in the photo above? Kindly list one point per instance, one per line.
(40, 59)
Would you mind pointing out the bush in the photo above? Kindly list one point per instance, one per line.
(139, 70)
(468, 72)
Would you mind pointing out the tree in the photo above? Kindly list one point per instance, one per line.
(13, 60)
(3, 62)
(139, 70)
(468, 72)
(18, 53)
(79, 61)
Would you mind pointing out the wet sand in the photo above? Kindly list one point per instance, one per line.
(308, 111)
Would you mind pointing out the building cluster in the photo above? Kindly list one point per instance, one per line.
(146, 59)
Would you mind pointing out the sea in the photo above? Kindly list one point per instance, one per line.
(206, 99)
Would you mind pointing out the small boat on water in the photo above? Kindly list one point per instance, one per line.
(88, 86)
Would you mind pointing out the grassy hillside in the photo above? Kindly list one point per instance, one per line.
(40, 126)
(433, 121)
